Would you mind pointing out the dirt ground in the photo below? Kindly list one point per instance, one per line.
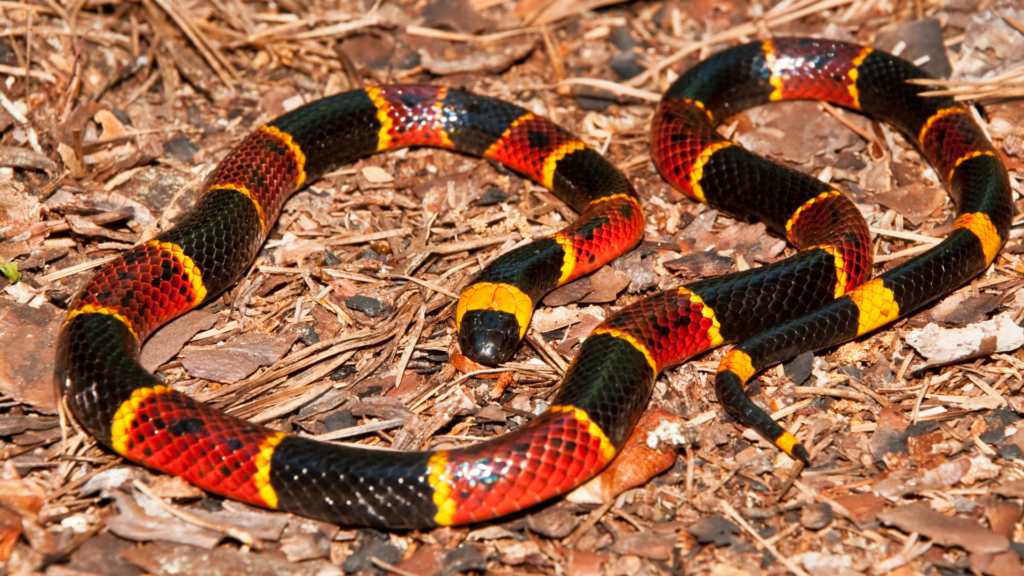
(113, 112)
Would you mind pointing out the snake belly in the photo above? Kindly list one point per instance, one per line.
(610, 381)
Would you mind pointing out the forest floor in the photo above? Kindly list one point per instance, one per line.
(112, 113)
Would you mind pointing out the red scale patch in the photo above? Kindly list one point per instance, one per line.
(265, 166)
(622, 226)
(146, 286)
(950, 136)
(806, 71)
(527, 145)
(681, 132)
(836, 222)
(417, 116)
(175, 434)
(646, 321)
(509, 474)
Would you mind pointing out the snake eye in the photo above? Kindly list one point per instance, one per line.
(488, 337)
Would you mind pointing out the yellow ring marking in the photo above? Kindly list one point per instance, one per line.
(300, 158)
(551, 162)
(261, 479)
(244, 192)
(967, 157)
(876, 303)
(121, 430)
(697, 171)
(384, 139)
(441, 481)
(981, 226)
(739, 363)
(853, 74)
(568, 257)
(775, 79)
(935, 118)
(496, 296)
(632, 341)
(90, 309)
(787, 442)
(613, 197)
(195, 277)
(715, 331)
(438, 129)
(806, 205)
(607, 450)
(842, 276)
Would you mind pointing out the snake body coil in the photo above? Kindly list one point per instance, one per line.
(818, 298)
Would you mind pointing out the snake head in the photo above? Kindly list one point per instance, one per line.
(489, 337)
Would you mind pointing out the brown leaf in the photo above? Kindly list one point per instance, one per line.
(28, 337)
(163, 559)
(945, 530)
(863, 508)
(606, 283)
(18, 157)
(476, 59)
(902, 482)
(656, 545)
(239, 357)
(916, 202)
(168, 340)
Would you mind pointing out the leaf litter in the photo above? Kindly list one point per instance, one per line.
(113, 113)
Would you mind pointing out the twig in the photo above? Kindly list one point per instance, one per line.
(360, 238)
(425, 284)
(753, 533)
(734, 33)
(905, 235)
(425, 32)
(904, 253)
(361, 429)
(13, 71)
(414, 337)
(236, 533)
(823, 391)
(72, 270)
(589, 523)
(33, 138)
(390, 567)
(613, 87)
(219, 64)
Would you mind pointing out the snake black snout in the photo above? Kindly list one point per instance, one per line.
(489, 337)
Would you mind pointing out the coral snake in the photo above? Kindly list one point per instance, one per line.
(818, 298)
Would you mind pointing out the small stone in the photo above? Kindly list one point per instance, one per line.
(339, 421)
(1009, 452)
(622, 38)
(369, 306)
(370, 543)
(701, 265)
(816, 516)
(799, 370)
(307, 333)
(714, 530)
(343, 372)
(371, 254)
(556, 521)
(626, 65)
(182, 149)
(491, 197)
(330, 259)
(852, 372)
